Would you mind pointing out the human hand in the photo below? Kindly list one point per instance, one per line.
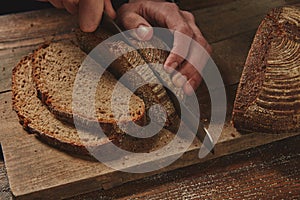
(89, 11)
(141, 15)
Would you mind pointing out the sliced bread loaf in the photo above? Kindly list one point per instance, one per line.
(268, 96)
(55, 68)
(36, 118)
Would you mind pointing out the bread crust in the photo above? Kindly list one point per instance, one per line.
(32, 114)
(37, 119)
(267, 100)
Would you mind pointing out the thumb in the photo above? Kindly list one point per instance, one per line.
(90, 14)
(142, 30)
(109, 9)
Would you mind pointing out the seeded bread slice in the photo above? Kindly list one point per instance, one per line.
(55, 68)
(128, 59)
(36, 118)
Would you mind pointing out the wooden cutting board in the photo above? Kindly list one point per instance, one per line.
(36, 170)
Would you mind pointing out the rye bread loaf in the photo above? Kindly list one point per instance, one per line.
(128, 59)
(268, 96)
(55, 68)
(36, 118)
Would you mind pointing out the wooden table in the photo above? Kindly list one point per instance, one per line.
(270, 171)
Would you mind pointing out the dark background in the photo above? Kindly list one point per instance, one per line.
(14, 6)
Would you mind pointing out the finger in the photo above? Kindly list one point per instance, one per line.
(180, 49)
(90, 14)
(71, 6)
(162, 14)
(133, 20)
(168, 15)
(57, 3)
(109, 9)
(196, 60)
(179, 79)
(192, 68)
(197, 33)
(193, 83)
(184, 73)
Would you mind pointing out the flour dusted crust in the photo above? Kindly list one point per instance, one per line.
(268, 96)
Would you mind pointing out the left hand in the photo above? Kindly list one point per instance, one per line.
(89, 11)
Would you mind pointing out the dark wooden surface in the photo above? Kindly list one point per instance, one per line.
(267, 172)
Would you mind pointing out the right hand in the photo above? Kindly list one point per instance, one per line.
(142, 15)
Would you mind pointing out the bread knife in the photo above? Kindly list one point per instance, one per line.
(190, 119)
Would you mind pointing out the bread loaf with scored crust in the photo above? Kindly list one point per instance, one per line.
(268, 96)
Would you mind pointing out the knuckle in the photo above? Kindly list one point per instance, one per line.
(123, 8)
(201, 40)
(189, 16)
(73, 2)
(169, 8)
(209, 48)
(186, 29)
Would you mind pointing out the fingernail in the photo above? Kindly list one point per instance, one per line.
(179, 80)
(142, 32)
(189, 90)
(170, 69)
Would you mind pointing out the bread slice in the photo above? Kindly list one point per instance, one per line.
(155, 54)
(268, 96)
(55, 68)
(127, 60)
(36, 118)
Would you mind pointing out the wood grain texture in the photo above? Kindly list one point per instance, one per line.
(192, 5)
(4, 185)
(36, 170)
(264, 175)
(23, 32)
(239, 18)
(260, 167)
(251, 174)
